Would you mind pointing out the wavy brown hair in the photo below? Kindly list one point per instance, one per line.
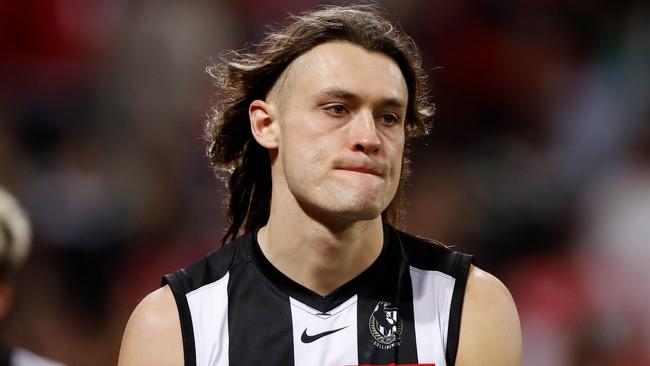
(247, 75)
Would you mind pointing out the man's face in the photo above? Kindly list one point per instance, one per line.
(341, 132)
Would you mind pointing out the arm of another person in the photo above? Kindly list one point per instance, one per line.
(490, 333)
(153, 333)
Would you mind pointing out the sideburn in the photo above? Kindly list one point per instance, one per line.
(394, 214)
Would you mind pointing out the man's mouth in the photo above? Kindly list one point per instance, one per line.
(366, 170)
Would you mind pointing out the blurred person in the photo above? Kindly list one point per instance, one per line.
(311, 127)
(15, 236)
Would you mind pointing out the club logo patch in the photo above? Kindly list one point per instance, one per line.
(385, 326)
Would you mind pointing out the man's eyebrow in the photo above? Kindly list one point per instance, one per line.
(341, 93)
(337, 92)
(393, 102)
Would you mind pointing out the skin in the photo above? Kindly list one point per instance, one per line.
(334, 128)
(490, 333)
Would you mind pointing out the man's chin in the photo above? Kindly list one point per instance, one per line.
(360, 212)
(343, 214)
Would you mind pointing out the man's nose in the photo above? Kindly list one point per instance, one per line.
(363, 133)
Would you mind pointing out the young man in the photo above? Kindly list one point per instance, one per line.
(311, 127)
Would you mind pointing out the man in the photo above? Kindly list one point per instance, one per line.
(15, 237)
(311, 127)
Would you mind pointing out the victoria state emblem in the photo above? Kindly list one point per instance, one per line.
(385, 326)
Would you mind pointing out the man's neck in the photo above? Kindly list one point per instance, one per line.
(316, 256)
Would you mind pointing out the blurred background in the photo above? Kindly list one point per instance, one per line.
(538, 162)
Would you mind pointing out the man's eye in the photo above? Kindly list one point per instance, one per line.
(390, 118)
(336, 109)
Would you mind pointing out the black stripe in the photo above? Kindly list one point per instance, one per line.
(178, 285)
(390, 285)
(259, 320)
(460, 273)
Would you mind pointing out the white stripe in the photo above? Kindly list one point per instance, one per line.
(432, 293)
(336, 349)
(209, 309)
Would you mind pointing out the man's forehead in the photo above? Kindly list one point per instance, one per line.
(342, 64)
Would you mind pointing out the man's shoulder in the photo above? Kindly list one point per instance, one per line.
(490, 331)
(153, 333)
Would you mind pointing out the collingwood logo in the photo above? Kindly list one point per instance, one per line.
(385, 326)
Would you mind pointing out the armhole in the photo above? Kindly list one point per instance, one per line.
(460, 272)
(177, 285)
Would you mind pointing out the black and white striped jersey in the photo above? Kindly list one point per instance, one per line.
(236, 308)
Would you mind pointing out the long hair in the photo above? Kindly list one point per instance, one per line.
(247, 75)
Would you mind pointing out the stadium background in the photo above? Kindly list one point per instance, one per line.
(539, 161)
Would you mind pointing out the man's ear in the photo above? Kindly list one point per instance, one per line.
(263, 123)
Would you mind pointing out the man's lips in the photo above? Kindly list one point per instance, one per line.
(366, 170)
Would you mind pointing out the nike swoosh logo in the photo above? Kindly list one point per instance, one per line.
(305, 338)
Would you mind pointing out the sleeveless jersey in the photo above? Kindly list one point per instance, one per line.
(236, 308)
